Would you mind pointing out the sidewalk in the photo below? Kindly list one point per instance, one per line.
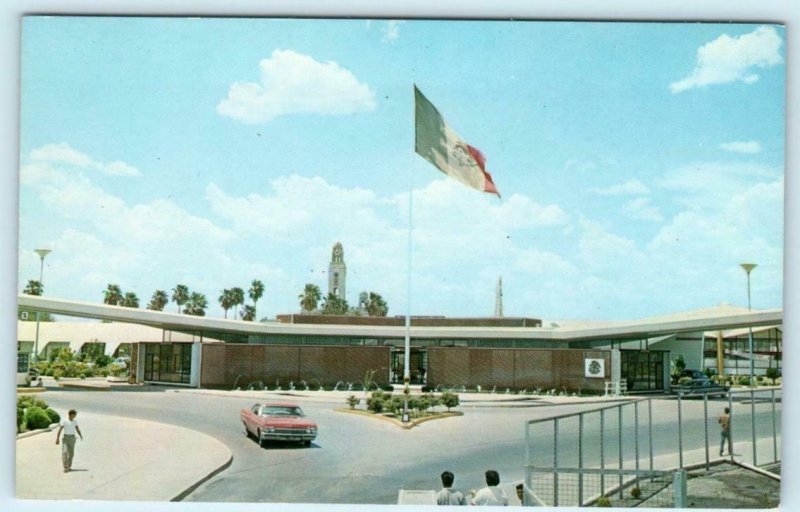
(120, 459)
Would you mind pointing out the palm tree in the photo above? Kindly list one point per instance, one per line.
(334, 305)
(196, 305)
(237, 299)
(33, 288)
(158, 301)
(376, 306)
(310, 298)
(130, 300)
(249, 313)
(180, 295)
(255, 292)
(226, 300)
(112, 295)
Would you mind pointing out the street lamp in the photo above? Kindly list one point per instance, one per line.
(748, 267)
(42, 253)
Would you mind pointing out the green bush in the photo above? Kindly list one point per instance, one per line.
(36, 418)
(743, 380)
(375, 404)
(20, 417)
(394, 404)
(103, 360)
(449, 400)
(352, 401)
(602, 501)
(773, 374)
(53, 415)
(27, 401)
(636, 493)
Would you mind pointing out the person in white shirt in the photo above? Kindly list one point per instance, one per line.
(491, 494)
(70, 427)
(448, 495)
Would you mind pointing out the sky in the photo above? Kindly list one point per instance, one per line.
(639, 163)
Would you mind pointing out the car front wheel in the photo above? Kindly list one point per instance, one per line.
(260, 439)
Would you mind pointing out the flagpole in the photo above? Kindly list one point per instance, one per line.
(407, 341)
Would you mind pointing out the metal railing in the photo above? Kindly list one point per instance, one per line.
(615, 443)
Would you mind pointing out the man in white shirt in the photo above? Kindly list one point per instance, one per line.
(491, 494)
(448, 495)
(70, 428)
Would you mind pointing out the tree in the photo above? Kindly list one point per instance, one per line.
(237, 298)
(196, 305)
(180, 295)
(249, 313)
(376, 306)
(309, 299)
(226, 300)
(33, 288)
(158, 301)
(255, 292)
(334, 305)
(130, 300)
(112, 295)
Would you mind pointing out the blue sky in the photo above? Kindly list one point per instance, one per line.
(639, 163)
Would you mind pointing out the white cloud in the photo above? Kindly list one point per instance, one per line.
(641, 208)
(579, 165)
(749, 147)
(731, 59)
(63, 154)
(632, 187)
(391, 31)
(293, 83)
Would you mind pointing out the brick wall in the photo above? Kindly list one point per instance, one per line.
(513, 368)
(223, 364)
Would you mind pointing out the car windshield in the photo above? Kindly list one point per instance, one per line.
(279, 410)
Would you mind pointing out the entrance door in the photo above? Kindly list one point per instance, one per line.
(643, 370)
(418, 367)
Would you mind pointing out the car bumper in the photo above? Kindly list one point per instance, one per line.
(283, 436)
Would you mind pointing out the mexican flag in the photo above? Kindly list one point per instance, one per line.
(437, 143)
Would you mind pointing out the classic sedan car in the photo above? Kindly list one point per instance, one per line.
(278, 422)
(700, 386)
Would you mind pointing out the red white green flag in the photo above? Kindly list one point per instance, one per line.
(437, 143)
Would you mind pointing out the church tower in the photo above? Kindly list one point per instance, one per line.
(337, 273)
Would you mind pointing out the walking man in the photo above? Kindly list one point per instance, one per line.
(724, 421)
(70, 428)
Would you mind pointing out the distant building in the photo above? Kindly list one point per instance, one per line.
(337, 273)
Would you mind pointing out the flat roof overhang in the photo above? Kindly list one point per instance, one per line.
(623, 330)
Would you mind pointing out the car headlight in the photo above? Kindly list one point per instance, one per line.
(311, 430)
(270, 429)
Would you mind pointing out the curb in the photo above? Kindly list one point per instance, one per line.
(181, 495)
(395, 421)
(37, 431)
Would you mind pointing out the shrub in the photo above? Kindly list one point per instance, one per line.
(414, 403)
(394, 404)
(743, 380)
(103, 360)
(684, 381)
(117, 370)
(27, 401)
(602, 501)
(53, 415)
(20, 417)
(375, 404)
(636, 493)
(772, 374)
(352, 401)
(449, 400)
(36, 418)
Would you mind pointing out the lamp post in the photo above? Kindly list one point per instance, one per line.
(748, 267)
(42, 253)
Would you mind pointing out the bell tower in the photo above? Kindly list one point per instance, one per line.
(337, 273)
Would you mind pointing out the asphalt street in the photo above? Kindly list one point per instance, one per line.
(363, 460)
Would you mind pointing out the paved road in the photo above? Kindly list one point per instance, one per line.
(361, 460)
